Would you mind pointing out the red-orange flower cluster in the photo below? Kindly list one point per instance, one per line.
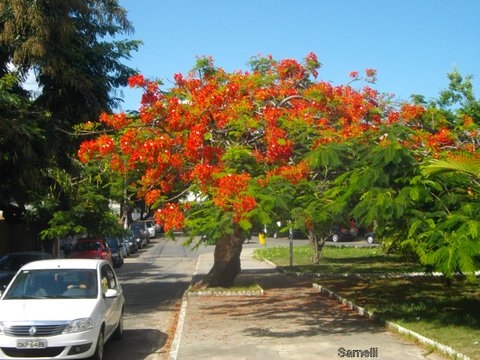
(117, 121)
(412, 112)
(137, 81)
(232, 195)
(170, 216)
(292, 173)
(92, 149)
(290, 69)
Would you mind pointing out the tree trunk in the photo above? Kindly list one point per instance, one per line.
(226, 264)
(317, 245)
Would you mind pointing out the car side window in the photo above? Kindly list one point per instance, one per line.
(108, 278)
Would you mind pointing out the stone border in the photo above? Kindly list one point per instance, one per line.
(364, 312)
(226, 293)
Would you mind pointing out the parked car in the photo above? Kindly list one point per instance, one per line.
(125, 247)
(140, 233)
(132, 243)
(152, 230)
(115, 245)
(91, 249)
(61, 308)
(12, 262)
(158, 228)
(352, 231)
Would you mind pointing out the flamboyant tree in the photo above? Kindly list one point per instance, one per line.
(220, 154)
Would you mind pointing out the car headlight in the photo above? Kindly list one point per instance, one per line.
(78, 325)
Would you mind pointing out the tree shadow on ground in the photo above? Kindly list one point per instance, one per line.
(289, 308)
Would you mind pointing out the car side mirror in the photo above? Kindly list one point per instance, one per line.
(110, 294)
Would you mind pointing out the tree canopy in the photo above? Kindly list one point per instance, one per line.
(251, 148)
(73, 51)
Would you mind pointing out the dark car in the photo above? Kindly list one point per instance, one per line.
(352, 231)
(91, 249)
(130, 240)
(140, 233)
(115, 245)
(10, 263)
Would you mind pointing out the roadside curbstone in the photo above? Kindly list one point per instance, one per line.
(226, 293)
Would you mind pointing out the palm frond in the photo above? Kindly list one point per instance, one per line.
(464, 165)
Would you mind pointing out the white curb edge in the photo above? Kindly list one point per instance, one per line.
(178, 331)
(422, 339)
(181, 320)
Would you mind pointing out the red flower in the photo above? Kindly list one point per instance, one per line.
(170, 216)
(137, 81)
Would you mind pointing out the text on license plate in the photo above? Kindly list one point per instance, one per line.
(31, 344)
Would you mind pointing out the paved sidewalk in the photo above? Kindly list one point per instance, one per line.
(290, 321)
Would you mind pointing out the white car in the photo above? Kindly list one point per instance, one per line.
(152, 231)
(62, 309)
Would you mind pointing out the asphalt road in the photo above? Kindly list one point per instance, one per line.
(153, 282)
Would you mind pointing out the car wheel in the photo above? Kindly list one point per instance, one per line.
(335, 237)
(98, 355)
(370, 239)
(117, 335)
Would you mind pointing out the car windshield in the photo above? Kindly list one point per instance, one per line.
(113, 243)
(137, 226)
(54, 284)
(86, 246)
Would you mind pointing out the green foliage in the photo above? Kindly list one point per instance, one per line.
(329, 156)
(261, 64)
(87, 211)
(448, 243)
(446, 233)
(72, 48)
(466, 165)
(240, 159)
(23, 146)
(205, 224)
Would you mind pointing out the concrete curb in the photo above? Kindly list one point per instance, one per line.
(181, 319)
(225, 293)
(422, 339)
(179, 329)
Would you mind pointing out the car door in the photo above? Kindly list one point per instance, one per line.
(113, 306)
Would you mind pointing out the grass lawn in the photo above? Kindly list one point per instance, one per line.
(426, 305)
(339, 260)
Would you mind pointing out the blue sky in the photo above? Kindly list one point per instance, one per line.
(413, 44)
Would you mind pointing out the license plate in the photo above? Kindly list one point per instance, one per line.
(31, 344)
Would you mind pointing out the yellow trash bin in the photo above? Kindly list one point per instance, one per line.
(262, 239)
